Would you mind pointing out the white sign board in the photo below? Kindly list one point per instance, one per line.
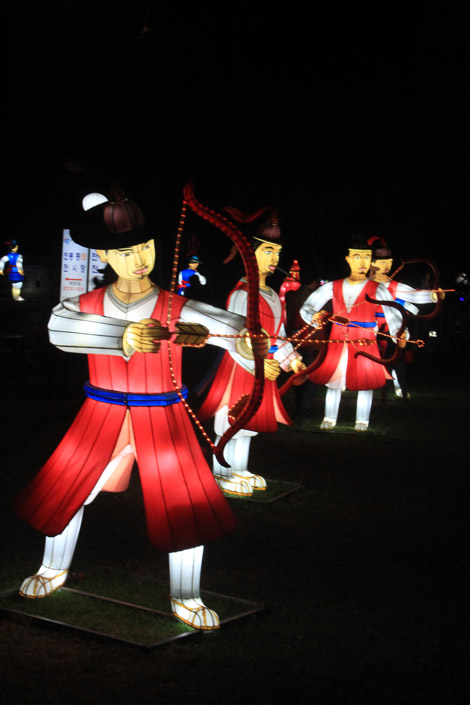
(79, 269)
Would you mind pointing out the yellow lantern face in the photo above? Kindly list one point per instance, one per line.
(383, 266)
(131, 263)
(359, 262)
(267, 257)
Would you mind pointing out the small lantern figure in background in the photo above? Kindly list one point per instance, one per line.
(133, 412)
(290, 283)
(233, 380)
(12, 265)
(341, 369)
(184, 277)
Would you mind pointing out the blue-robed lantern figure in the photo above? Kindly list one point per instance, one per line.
(12, 265)
(133, 412)
(184, 277)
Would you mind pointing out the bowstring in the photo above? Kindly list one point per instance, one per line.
(174, 272)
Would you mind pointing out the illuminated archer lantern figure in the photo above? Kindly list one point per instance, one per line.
(12, 264)
(184, 277)
(134, 410)
(232, 381)
(382, 261)
(355, 329)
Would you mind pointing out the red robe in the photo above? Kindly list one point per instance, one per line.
(361, 373)
(183, 505)
(232, 381)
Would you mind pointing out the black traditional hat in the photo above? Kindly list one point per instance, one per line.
(359, 242)
(269, 231)
(380, 249)
(115, 222)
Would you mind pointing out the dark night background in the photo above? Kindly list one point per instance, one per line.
(346, 120)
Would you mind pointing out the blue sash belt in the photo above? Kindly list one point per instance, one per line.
(361, 324)
(129, 399)
(381, 314)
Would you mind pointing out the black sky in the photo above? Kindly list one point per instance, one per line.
(345, 120)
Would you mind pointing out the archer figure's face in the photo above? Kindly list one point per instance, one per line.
(267, 256)
(131, 263)
(383, 266)
(359, 263)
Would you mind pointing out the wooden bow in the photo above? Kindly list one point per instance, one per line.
(252, 318)
(435, 287)
(404, 323)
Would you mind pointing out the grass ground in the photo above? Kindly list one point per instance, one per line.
(362, 569)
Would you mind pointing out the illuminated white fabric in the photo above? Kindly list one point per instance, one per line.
(200, 276)
(93, 199)
(412, 296)
(108, 471)
(236, 454)
(185, 572)
(337, 383)
(57, 558)
(332, 401)
(416, 296)
(185, 589)
(286, 353)
(364, 405)
(351, 292)
(70, 327)
(18, 265)
(73, 331)
(320, 297)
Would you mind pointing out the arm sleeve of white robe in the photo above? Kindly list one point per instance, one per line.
(286, 353)
(202, 278)
(74, 331)
(392, 316)
(316, 301)
(217, 321)
(413, 296)
(238, 305)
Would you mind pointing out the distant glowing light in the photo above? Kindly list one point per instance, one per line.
(93, 199)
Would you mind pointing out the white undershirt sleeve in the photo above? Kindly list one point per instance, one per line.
(73, 331)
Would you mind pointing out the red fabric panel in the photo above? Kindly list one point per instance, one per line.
(66, 480)
(183, 504)
(361, 373)
(232, 381)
